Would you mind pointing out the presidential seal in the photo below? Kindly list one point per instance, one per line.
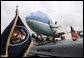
(19, 36)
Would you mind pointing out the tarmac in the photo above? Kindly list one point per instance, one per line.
(64, 48)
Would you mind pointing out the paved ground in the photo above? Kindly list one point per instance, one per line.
(65, 48)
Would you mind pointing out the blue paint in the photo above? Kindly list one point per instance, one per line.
(40, 16)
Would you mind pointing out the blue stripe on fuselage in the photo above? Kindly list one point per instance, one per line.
(36, 26)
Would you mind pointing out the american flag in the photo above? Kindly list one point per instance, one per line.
(74, 34)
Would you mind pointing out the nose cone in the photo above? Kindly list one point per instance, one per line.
(39, 16)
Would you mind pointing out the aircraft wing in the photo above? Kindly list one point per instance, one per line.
(55, 26)
(80, 32)
(61, 33)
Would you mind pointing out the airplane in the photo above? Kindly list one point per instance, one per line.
(41, 24)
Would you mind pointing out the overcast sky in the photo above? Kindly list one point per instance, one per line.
(65, 12)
